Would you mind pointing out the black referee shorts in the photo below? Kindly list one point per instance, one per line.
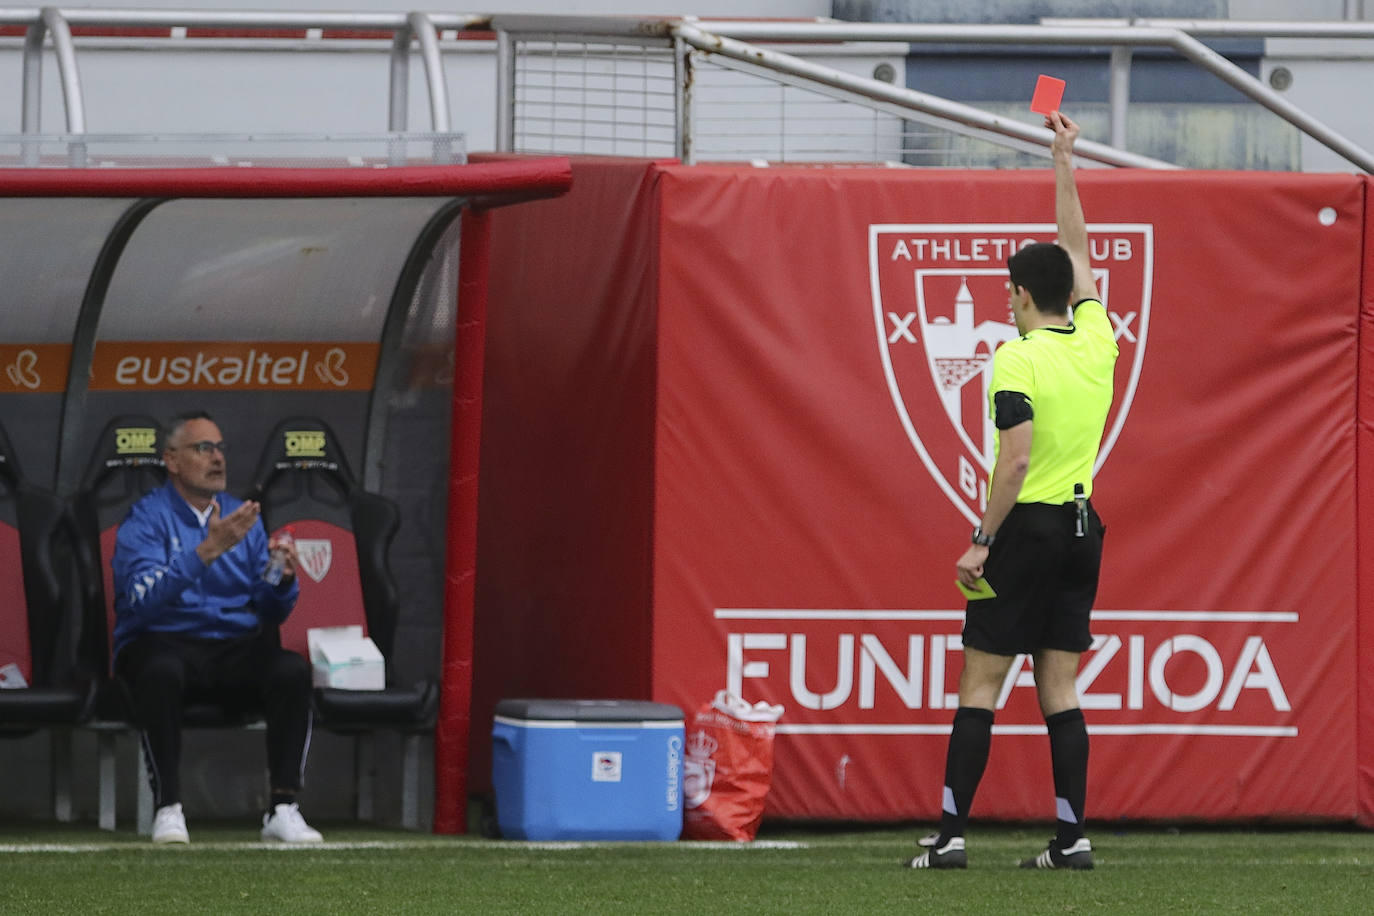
(1045, 579)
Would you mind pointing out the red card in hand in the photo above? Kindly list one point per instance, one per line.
(1049, 92)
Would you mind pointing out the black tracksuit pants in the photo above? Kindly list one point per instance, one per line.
(165, 672)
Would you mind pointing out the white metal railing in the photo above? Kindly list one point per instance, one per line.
(736, 110)
(607, 105)
(1121, 35)
(728, 39)
(50, 23)
(191, 150)
(955, 117)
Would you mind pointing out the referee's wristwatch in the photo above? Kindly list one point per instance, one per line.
(982, 538)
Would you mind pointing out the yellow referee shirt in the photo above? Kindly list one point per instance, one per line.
(1066, 374)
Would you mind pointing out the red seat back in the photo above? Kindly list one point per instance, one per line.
(342, 532)
(331, 592)
(14, 613)
(125, 464)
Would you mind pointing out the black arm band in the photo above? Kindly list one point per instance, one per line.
(1011, 408)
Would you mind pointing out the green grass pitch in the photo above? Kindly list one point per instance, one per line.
(58, 869)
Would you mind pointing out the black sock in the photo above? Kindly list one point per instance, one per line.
(280, 798)
(1069, 756)
(965, 761)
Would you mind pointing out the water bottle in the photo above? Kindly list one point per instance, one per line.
(276, 562)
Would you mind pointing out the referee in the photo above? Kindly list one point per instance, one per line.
(1039, 546)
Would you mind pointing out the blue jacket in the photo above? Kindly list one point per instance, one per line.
(161, 585)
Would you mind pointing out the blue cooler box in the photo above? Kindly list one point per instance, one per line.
(587, 770)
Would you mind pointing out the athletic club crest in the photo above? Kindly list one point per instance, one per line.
(940, 309)
(316, 555)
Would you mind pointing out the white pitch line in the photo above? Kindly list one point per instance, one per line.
(218, 846)
(457, 844)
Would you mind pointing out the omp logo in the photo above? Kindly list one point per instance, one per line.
(940, 310)
(23, 371)
(304, 443)
(135, 440)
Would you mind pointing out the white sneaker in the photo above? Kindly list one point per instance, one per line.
(169, 825)
(285, 825)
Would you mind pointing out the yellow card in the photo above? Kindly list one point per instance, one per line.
(977, 591)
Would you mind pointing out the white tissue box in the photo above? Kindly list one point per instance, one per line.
(343, 657)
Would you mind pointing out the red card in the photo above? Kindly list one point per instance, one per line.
(1049, 92)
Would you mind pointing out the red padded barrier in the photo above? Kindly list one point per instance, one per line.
(451, 764)
(787, 481)
(1365, 534)
(564, 565)
(818, 453)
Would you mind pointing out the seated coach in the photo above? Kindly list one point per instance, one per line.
(196, 621)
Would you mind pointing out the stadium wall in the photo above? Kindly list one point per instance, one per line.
(817, 453)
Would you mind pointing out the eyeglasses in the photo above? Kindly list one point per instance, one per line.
(205, 447)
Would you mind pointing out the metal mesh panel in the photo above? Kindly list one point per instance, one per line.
(619, 96)
(742, 113)
(739, 115)
(601, 97)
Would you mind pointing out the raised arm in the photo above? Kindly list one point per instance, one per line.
(1068, 210)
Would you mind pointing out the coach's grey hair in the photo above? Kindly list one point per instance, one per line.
(174, 425)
